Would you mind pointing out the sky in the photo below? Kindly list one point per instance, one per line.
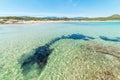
(60, 8)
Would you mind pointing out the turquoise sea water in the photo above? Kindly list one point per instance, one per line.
(17, 40)
(45, 31)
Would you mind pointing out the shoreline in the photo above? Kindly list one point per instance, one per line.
(52, 21)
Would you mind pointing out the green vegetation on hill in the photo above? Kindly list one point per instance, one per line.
(17, 19)
(37, 18)
(113, 17)
(26, 18)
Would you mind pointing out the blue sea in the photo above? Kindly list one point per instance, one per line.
(16, 40)
(108, 32)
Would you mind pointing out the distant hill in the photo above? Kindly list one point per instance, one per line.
(54, 18)
(40, 18)
(115, 16)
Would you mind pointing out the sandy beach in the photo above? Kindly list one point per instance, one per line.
(59, 21)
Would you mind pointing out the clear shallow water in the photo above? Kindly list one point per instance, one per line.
(17, 40)
(108, 30)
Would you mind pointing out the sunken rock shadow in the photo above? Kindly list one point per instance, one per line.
(77, 37)
(42, 53)
(117, 39)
